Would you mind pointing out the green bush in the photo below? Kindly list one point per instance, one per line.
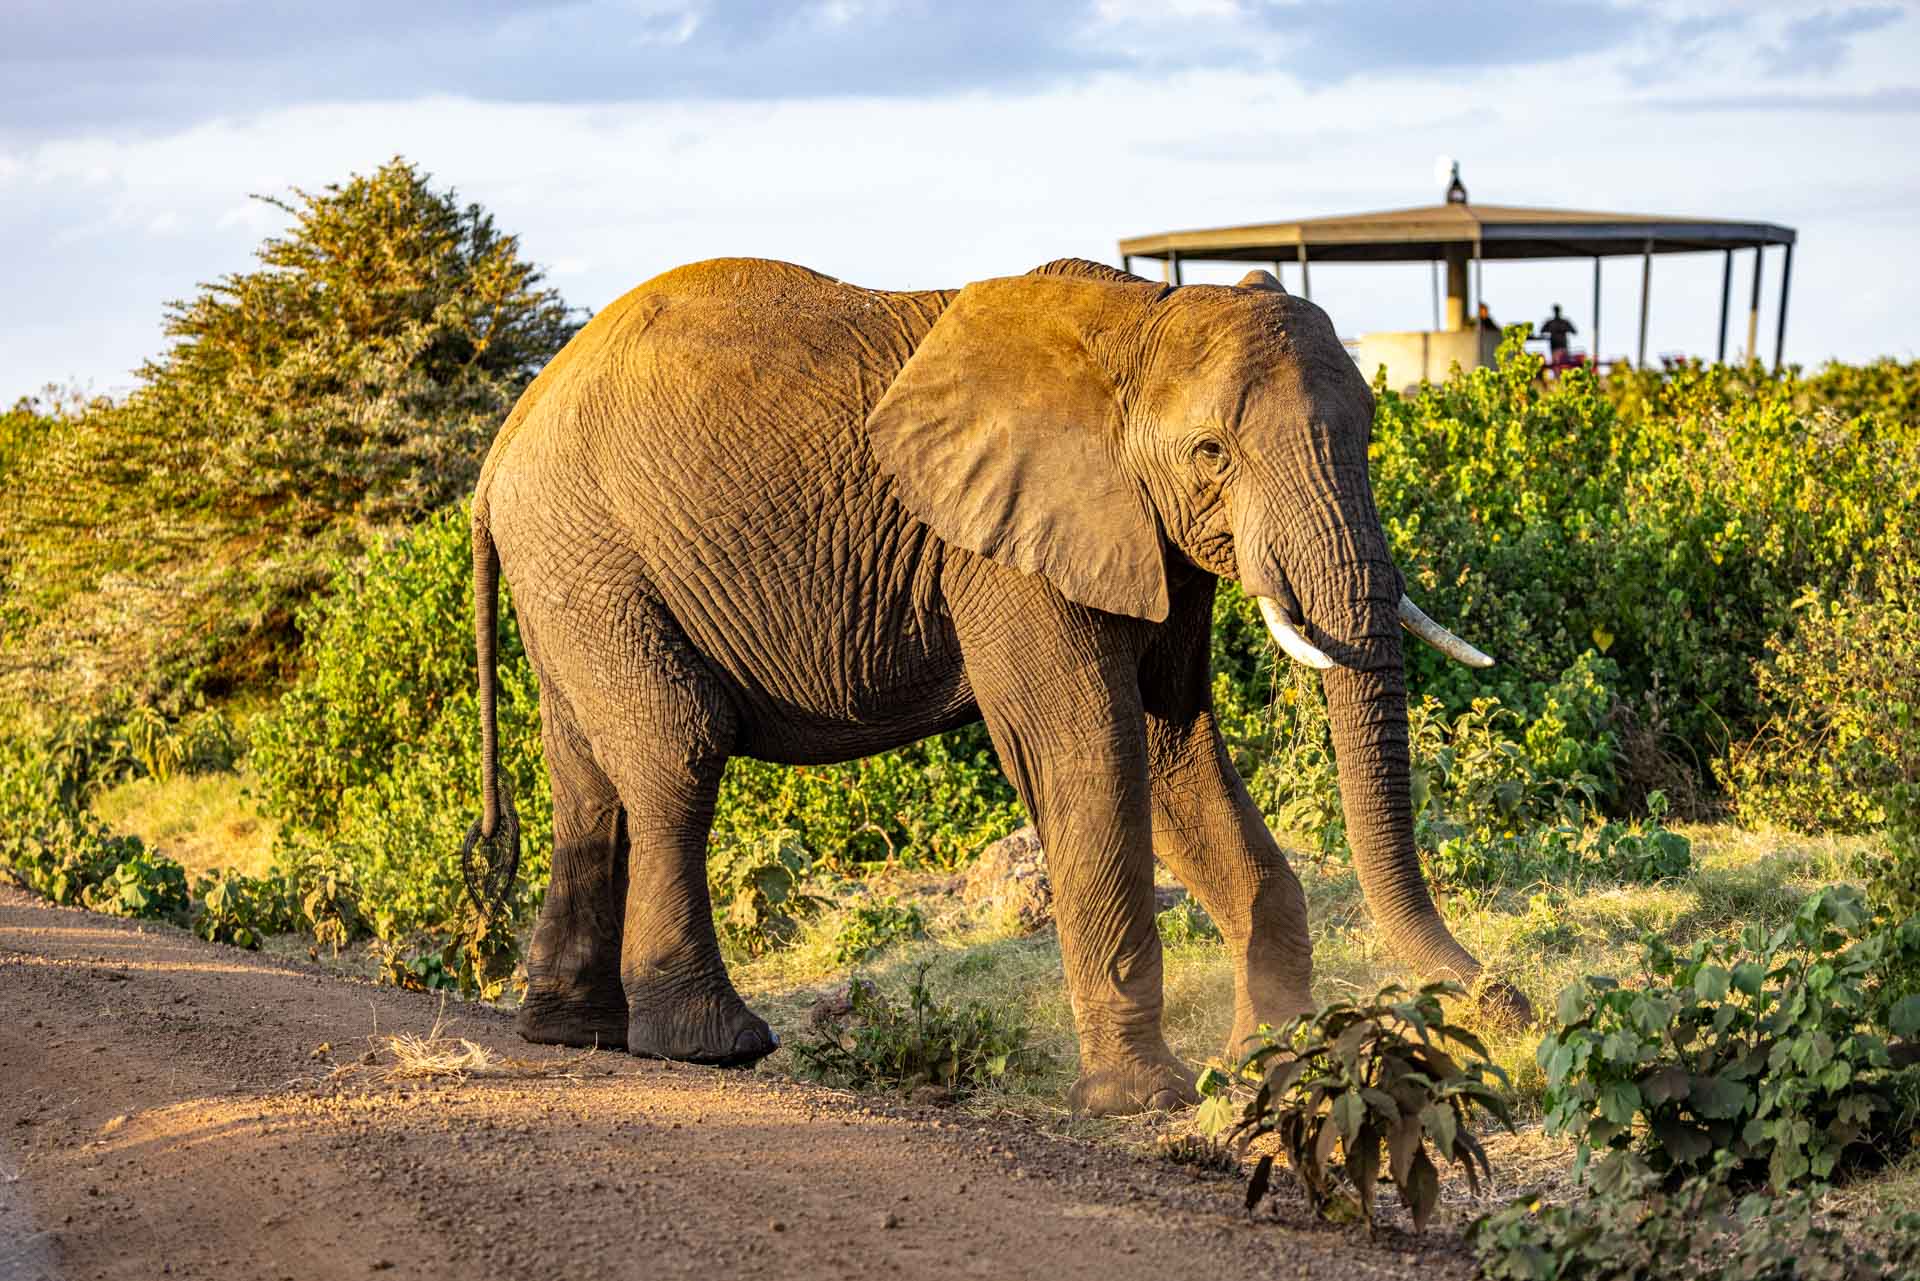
(234, 908)
(1843, 689)
(874, 927)
(1378, 1078)
(1694, 1233)
(932, 805)
(1766, 1050)
(141, 884)
(883, 1044)
(757, 885)
(1186, 924)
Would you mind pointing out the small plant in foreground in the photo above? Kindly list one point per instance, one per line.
(1763, 1050)
(1186, 924)
(756, 886)
(1374, 1077)
(1694, 1233)
(143, 884)
(875, 926)
(882, 1044)
(231, 907)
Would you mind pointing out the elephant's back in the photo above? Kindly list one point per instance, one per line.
(707, 433)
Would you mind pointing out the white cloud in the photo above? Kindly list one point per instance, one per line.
(904, 192)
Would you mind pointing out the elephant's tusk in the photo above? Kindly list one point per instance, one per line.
(1437, 636)
(1298, 647)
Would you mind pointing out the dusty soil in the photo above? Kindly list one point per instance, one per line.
(174, 1108)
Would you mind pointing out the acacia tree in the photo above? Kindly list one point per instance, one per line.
(349, 383)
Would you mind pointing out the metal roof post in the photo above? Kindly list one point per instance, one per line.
(1306, 281)
(1433, 265)
(1726, 296)
(1753, 310)
(1646, 294)
(1596, 315)
(1780, 334)
(1126, 263)
(1479, 286)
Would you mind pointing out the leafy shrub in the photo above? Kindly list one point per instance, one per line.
(202, 742)
(1843, 687)
(1186, 924)
(1376, 1077)
(931, 805)
(234, 908)
(372, 758)
(885, 1045)
(1639, 852)
(1498, 799)
(873, 927)
(757, 887)
(1694, 1233)
(1761, 1050)
(141, 884)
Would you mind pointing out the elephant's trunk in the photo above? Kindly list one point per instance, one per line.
(1346, 602)
(1367, 711)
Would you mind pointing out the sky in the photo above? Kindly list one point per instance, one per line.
(920, 143)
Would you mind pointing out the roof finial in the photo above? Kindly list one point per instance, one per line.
(1456, 190)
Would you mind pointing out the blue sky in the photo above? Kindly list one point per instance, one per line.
(906, 143)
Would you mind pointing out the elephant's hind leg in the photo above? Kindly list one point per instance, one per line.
(574, 995)
(662, 728)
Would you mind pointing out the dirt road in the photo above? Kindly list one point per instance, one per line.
(174, 1108)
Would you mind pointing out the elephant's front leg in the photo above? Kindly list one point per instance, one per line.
(1209, 832)
(1063, 706)
(1214, 839)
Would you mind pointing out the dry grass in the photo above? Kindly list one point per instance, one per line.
(205, 822)
(437, 1055)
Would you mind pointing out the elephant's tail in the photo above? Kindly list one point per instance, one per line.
(489, 882)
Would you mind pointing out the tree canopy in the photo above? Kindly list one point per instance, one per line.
(348, 383)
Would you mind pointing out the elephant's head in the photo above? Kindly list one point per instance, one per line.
(1086, 426)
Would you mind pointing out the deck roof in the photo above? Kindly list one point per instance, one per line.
(1427, 232)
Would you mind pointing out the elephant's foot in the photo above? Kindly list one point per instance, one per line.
(567, 1018)
(717, 1030)
(1501, 1003)
(1156, 1082)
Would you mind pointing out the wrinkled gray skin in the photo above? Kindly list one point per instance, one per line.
(752, 510)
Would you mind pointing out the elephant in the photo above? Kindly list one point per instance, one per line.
(750, 509)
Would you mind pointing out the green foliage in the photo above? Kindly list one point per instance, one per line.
(1498, 800)
(372, 758)
(231, 907)
(202, 742)
(1843, 688)
(931, 805)
(1378, 1079)
(140, 884)
(1766, 1050)
(1672, 531)
(875, 926)
(757, 887)
(348, 383)
(51, 845)
(1694, 1233)
(1186, 924)
(886, 1045)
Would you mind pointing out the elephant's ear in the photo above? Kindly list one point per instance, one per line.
(1003, 434)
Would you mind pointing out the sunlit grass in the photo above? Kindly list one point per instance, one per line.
(204, 822)
(1541, 937)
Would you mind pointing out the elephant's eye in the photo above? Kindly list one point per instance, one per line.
(1210, 453)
